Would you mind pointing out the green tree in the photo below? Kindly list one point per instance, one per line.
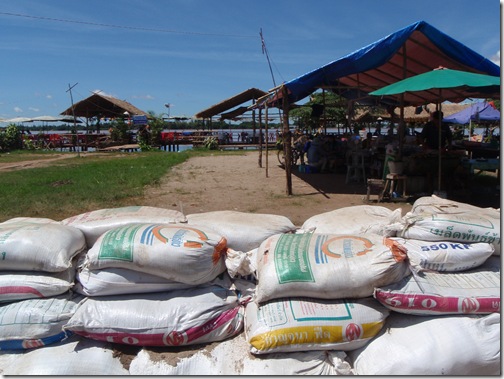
(156, 126)
(327, 109)
(11, 138)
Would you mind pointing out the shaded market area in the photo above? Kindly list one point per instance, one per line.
(329, 120)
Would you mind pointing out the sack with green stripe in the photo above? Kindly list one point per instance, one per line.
(327, 266)
(175, 252)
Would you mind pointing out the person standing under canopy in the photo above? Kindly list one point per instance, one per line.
(429, 137)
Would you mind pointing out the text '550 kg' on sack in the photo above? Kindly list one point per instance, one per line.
(327, 266)
(175, 252)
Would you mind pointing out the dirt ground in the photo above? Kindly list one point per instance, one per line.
(237, 182)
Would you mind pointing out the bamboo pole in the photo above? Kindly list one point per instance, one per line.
(287, 140)
(266, 128)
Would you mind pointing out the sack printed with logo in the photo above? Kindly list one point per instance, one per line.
(327, 266)
(304, 324)
(175, 252)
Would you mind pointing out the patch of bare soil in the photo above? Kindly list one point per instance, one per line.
(237, 182)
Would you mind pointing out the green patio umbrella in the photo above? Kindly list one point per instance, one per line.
(460, 85)
(440, 85)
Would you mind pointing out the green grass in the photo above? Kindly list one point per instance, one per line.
(25, 155)
(75, 185)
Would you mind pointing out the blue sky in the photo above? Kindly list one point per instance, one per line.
(193, 54)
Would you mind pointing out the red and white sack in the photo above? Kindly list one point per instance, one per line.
(457, 227)
(23, 285)
(326, 266)
(434, 346)
(27, 245)
(304, 324)
(175, 318)
(176, 252)
(475, 291)
(437, 205)
(444, 255)
(358, 219)
(94, 223)
(34, 323)
(243, 231)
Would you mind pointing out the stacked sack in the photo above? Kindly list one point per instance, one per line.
(244, 233)
(454, 287)
(153, 280)
(37, 272)
(453, 249)
(315, 287)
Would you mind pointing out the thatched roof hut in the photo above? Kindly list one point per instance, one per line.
(421, 114)
(102, 106)
(230, 103)
(412, 115)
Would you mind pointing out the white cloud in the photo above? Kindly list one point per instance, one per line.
(17, 110)
(34, 109)
(48, 96)
(496, 58)
(146, 97)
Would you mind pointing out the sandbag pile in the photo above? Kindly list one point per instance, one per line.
(360, 290)
(446, 313)
(452, 251)
(37, 271)
(156, 284)
(314, 291)
(37, 258)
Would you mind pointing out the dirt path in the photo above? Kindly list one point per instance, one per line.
(204, 184)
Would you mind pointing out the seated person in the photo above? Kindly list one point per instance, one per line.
(315, 154)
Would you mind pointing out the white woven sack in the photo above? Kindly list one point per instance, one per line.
(176, 252)
(121, 281)
(449, 345)
(34, 323)
(39, 246)
(435, 204)
(475, 291)
(23, 285)
(38, 220)
(232, 357)
(358, 219)
(457, 227)
(326, 266)
(97, 222)
(444, 255)
(174, 318)
(74, 356)
(243, 231)
(304, 324)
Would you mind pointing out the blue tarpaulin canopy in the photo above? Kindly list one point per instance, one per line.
(413, 50)
(482, 111)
